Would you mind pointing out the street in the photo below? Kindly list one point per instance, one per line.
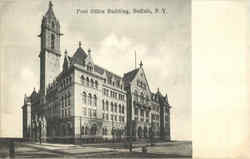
(179, 149)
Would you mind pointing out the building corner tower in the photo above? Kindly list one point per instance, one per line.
(50, 49)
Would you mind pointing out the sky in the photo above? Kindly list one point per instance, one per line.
(162, 42)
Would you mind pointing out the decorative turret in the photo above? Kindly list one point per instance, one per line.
(141, 64)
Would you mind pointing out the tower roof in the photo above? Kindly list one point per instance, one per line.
(130, 75)
(50, 12)
(79, 56)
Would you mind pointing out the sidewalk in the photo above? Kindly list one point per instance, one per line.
(174, 149)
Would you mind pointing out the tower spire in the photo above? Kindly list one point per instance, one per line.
(80, 44)
(50, 4)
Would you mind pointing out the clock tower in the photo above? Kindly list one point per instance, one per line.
(50, 49)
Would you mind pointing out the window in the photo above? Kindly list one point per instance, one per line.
(70, 79)
(136, 96)
(52, 41)
(107, 105)
(69, 112)
(136, 111)
(84, 111)
(84, 98)
(90, 113)
(53, 24)
(103, 116)
(86, 130)
(92, 83)
(112, 107)
(90, 99)
(62, 102)
(142, 113)
(87, 81)
(115, 107)
(123, 109)
(68, 98)
(93, 129)
(95, 100)
(142, 97)
(147, 114)
(96, 84)
(82, 79)
(94, 113)
(103, 131)
(103, 105)
(82, 130)
(120, 108)
(107, 116)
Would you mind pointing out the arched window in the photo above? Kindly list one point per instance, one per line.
(96, 84)
(103, 105)
(92, 83)
(52, 41)
(107, 105)
(95, 100)
(90, 99)
(53, 24)
(113, 131)
(68, 98)
(112, 107)
(136, 96)
(82, 79)
(62, 101)
(120, 108)
(82, 130)
(87, 81)
(84, 98)
(115, 107)
(86, 130)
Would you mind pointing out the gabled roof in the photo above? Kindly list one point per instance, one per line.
(130, 75)
(79, 57)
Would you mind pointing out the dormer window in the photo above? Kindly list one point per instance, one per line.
(89, 68)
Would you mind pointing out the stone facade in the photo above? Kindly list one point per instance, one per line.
(88, 103)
